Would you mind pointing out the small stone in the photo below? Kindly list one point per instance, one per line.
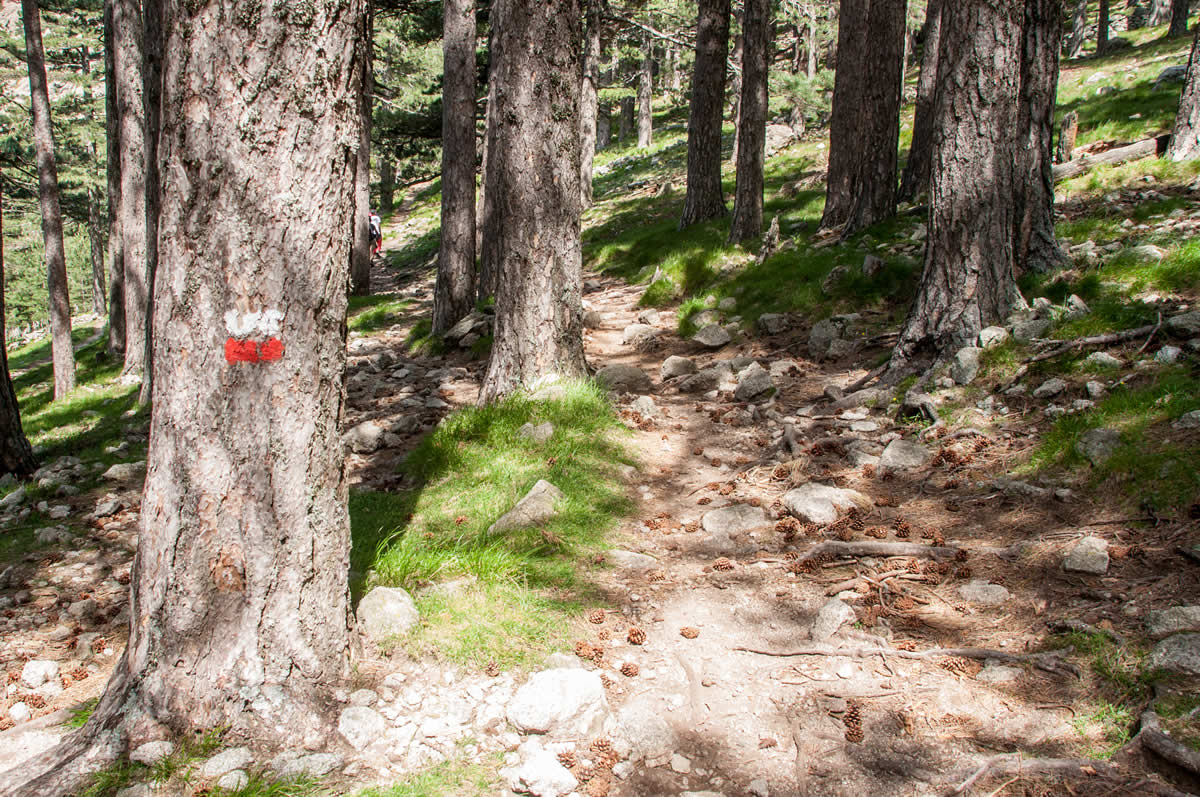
(563, 701)
(536, 508)
(386, 612)
(1189, 420)
(871, 266)
(366, 437)
(37, 672)
(1168, 355)
(1174, 620)
(675, 366)
(226, 761)
(1095, 389)
(754, 383)
(126, 472)
(680, 764)
(772, 323)
(1090, 555)
(759, 788)
(982, 593)
(997, 674)
(630, 561)
(965, 366)
(1146, 252)
(991, 337)
(1076, 307)
(1025, 331)
(292, 764)
(233, 781)
(820, 503)
(537, 434)
(540, 774)
(1185, 325)
(649, 316)
(728, 304)
(592, 319)
(363, 697)
(734, 520)
(903, 454)
(151, 753)
(1050, 388)
(830, 618)
(712, 336)
(624, 378)
(643, 724)
(19, 712)
(1178, 655)
(637, 334)
(1102, 359)
(1097, 446)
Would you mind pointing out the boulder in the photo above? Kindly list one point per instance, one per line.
(1050, 388)
(630, 561)
(1089, 555)
(675, 366)
(902, 454)
(1098, 445)
(777, 137)
(1178, 655)
(1146, 252)
(1076, 307)
(386, 612)
(623, 378)
(37, 672)
(151, 753)
(1172, 74)
(645, 406)
(965, 366)
(991, 337)
(1177, 619)
(820, 503)
(475, 322)
(772, 323)
(831, 617)
(981, 593)
(538, 434)
(565, 702)
(537, 507)
(226, 761)
(1025, 331)
(1189, 420)
(754, 382)
(1101, 359)
(126, 472)
(871, 266)
(361, 725)
(734, 520)
(712, 336)
(1168, 355)
(1185, 325)
(703, 381)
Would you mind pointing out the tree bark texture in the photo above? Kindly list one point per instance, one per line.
(915, 179)
(240, 581)
(1160, 12)
(1078, 29)
(1185, 138)
(454, 292)
(152, 108)
(645, 98)
(969, 280)
(360, 232)
(1067, 133)
(62, 353)
(96, 242)
(625, 126)
(589, 98)
(704, 199)
(735, 89)
(116, 242)
(1036, 246)
(539, 326)
(603, 126)
(128, 55)
(1179, 17)
(1102, 28)
(489, 220)
(865, 128)
(16, 455)
(387, 181)
(752, 124)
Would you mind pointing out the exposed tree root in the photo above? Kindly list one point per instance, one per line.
(1014, 764)
(1154, 738)
(865, 548)
(1050, 661)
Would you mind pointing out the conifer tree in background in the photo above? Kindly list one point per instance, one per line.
(1179, 17)
(61, 350)
(116, 242)
(915, 179)
(752, 122)
(589, 100)
(360, 251)
(704, 199)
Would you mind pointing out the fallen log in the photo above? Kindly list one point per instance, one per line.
(1131, 152)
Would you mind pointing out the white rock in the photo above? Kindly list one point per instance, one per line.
(982, 593)
(902, 454)
(631, 561)
(712, 336)
(537, 507)
(676, 366)
(830, 618)
(227, 761)
(965, 366)
(1089, 555)
(233, 781)
(541, 775)
(560, 702)
(991, 337)
(820, 503)
(37, 672)
(19, 712)
(680, 764)
(151, 753)
(360, 726)
(643, 724)
(386, 612)
(538, 434)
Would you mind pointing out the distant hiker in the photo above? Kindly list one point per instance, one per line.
(376, 233)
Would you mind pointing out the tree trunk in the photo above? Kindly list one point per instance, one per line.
(96, 240)
(16, 455)
(704, 199)
(626, 123)
(969, 280)
(1036, 247)
(1078, 29)
(748, 197)
(116, 241)
(387, 179)
(676, 74)
(1160, 12)
(1102, 28)
(488, 226)
(588, 101)
(1179, 17)
(603, 126)
(61, 351)
(916, 170)
(152, 97)
(539, 326)
(865, 129)
(811, 67)
(240, 582)
(645, 119)
(128, 53)
(1067, 132)
(360, 253)
(735, 90)
(454, 292)
(1185, 138)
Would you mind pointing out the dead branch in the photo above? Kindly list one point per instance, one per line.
(1154, 738)
(865, 548)
(1131, 152)
(1049, 661)
(1157, 326)
(1188, 553)
(648, 29)
(1094, 340)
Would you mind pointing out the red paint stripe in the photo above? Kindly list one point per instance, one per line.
(271, 350)
(241, 351)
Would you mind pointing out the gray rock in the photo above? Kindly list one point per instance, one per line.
(831, 617)
(991, 337)
(712, 336)
(1189, 420)
(151, 753)
(623, 378)
(759, 788)
(680, 764)
(727, 305)
(643, 723)
(360, 725)
(226, 761)
(821, 338)
(1174, 620)
(703, 381)
(386, 612)
(536, 508)
(1076, 307)
(649, 316)
(1172, 74)
(834, 278)
(1050, 388)
(820, 503)
(1146, 252)
(363, 697)
(734, 520)
(19, 712)
(871, 266)
(1098, 445)
(1185, 325)
(1025, 331)
(1168, 355)
(1102, 359)
(1042, 307)
(563, 702)
(637, 334)
(366, 437)
(630, 561)
(754, 382)
(1177, 655)
(998, 674)
(772, 323)
(592, 319)
(981, 593)
(538, 434)
(675, 366)
(13, 499)
(965, 366)
(902, 454)
(1095, 389)
(540, 774)
(474, 322)
(107, 508)
(706, 318)
(136, 790)
(1090, 555)
(233, 781)
(126, 472)
(292, 764)
(778, 137)
(37, 672)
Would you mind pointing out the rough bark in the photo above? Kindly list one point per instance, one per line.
(116, 242)
(488, 225)
(387, 182)
(128, 55)
(704, 199)
(645, 117)
(360, 232)
(1185, 138)
(1160, 12)
(1078, 29)
(240, 580)
(454, 292)
(915, 179)
(625, 127)
(16, 455)
(1036, 246)
(589, 102)
(539, 328)
(61, 352)
(96, 241)
(152, 109)
(1102, 28)
(1067, 132)
(603, 126)
(969, 278)
(752, 124)
(1179, 17)
(865, 128)
(735, 89)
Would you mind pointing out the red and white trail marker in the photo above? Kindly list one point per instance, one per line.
(253, 337)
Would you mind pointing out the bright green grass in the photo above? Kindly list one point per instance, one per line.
(262, 785)
(448, 779)
(371, 313)
(1109, 725)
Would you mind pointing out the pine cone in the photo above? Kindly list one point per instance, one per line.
(604, 635)
(963, 573)
(606, 681)
(596, 616)
(961, 555)
(567, 759)
(600, 745)
(598, 787)
(791, 556)
(903, 528)
(905, 603)
(854, 735)
(722, 564)
(597, 654)
(492, 670)
(878, 532)
(704, 501)
(801, 566)
(583, 650)
(656, 577)
(766, 742)
(629, 669)
(636, 635)
(845, 534)
(687, 632)
(35, 700)
(913, 566)
(692, 528)
(788, 525)
(811, 529)
(868, 471)
(906, 644)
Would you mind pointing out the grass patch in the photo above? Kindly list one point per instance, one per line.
(447, 779)
(262, 785)
(370, 313)
(1108, 725)
(81, 713)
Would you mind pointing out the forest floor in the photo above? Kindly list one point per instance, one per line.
(935, 632)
